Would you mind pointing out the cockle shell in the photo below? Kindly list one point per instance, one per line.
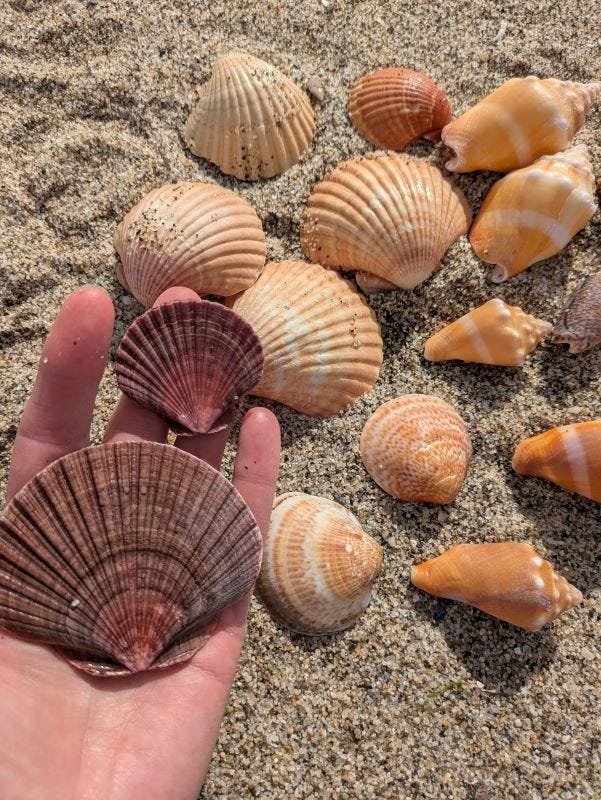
(532, 213)
(579, 323)
(122, 555)
(321, 341)
(417, 448)
(386, 214)
(521, 120)
(190, 361)
(493, 333)
(508, 580)
(318, 565)
(250, 120)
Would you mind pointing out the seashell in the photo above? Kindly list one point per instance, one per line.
(190, 361)
(392, 107)
(533, 213)
(321, 341)
(417, 448)
(250, 119)
(369, 283)
(387, 214)
(493, 333)
(569, 456)
(508, 580)
(318, 565)
(197, 235)
(521, 120)
(579, 323)
(121, 556)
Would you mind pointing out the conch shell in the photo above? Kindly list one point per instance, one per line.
(579, 323)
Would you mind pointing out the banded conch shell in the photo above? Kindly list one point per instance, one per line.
(197, 235)
(392, 107)
(508, 580)
(493, 333)
(579, 323)
(521, 120)
(387, 214)
(318, 565)
(532, 213)
(191, 362)
(120, 556)
(250, 119)
(417, 448)
(569, 456)
(321, 341)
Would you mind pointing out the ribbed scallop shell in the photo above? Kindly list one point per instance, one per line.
(321, 341)
(417, 448)
(390, 215)
(521, 120)
(121, 556)
(579, 323)
(250, 119)
(190, 234)
(493, 333)
(391, 107)
(318, 565)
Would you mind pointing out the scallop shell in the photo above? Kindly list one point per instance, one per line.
(321, 340)
(250, 120)
(389, 215)
(579, 323)
(189, 234)
(417, 448)
(521, 120)
(190, 361)
(493, 333)
(121, 556)
(508, 580)
(318, 565)
(392, 107)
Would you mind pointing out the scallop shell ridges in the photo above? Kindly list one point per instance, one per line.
(579, 323)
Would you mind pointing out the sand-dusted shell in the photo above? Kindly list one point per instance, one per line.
(121, 556)
(190, 361)
(321, 341)
(579, 323)
(250, 119)
(493, 333)
(532, 213)
(190, 234)
(417, 448)
(318, 565)
(521, 120)
(386, 214)
(391, 107)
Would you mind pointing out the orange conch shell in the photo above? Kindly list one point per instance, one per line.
(579, 323)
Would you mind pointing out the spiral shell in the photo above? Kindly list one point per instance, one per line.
(579, 323)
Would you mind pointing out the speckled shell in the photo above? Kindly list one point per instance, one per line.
(191, 362)
(121, 556)
(493, 333)
(387, 214)
(508, 580)
(391, 107)
(250, 120)
(521, 120)
(318, 565)
(417, 448)
(533, 213)
(321, 340)
(579, 323)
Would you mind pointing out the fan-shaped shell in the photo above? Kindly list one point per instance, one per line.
(390, 215)
(189, 234)
(250, 120)
(417, 448)
(318, 565)
(579, 323)
(321, 341)
(121, 556)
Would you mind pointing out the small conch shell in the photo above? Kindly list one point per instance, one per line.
(532, 213)
(318, 565)
(521, 120)
(508, 580)
(579, 323)
(493, 333)
(250, 119)
(569, 456)
(417, 448)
